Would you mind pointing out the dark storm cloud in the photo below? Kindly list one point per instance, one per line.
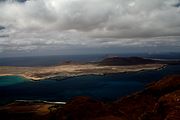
(61, 24)
(177, 4)
(1, 27)
(3, 36)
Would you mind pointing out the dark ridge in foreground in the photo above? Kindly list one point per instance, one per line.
(159, 101)
(134, 61)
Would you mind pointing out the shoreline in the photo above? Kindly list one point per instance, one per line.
(58, 71)
(41, 101)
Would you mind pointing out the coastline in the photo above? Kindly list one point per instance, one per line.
(1, 75)
(41, 73)
(40, 101)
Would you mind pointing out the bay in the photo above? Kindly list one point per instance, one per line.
(106, 87)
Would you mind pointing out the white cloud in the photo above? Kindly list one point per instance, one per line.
(36, 24)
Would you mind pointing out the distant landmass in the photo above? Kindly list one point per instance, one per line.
(69, 69)
(134, 61)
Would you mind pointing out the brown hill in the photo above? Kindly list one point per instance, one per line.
(145, 105)
(126, 61)
(114, 61)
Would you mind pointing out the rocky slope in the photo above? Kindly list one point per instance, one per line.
(159, 101)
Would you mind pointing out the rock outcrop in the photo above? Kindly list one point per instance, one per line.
(159, 101)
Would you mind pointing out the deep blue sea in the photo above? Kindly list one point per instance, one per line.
(58, 59)
(107, 88)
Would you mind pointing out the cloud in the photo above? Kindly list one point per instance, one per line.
(38, 24)
(1, 27)
(13, 0)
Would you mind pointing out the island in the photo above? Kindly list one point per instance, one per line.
(69, 69)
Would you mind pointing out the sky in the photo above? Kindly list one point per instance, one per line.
(45, 27)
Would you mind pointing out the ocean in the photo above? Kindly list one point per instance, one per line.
(107, 87)
(59, 59)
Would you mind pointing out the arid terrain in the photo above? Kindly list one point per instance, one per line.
(39, 73)
(106, 66)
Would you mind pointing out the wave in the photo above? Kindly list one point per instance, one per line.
(41, 101)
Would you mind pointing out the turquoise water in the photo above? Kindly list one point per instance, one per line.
(11, 80)
(107, 88)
